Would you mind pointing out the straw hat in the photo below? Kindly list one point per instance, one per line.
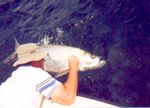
(29, 52)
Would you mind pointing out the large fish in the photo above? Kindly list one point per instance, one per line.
(57, 59)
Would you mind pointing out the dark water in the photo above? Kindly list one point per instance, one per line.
(117, 30)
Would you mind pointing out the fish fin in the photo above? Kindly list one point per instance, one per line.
(10, 58)
(16, 43)
(45, 41)
(13, 56)
(51, 65)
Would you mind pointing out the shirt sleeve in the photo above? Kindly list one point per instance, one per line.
(47, 86)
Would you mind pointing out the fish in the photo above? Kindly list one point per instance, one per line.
(56, 62)
(57, 59)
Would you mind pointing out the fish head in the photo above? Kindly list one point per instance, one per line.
(90, 61)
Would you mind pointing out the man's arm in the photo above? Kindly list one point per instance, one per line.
(66, 93)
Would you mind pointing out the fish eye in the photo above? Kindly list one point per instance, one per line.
(93, 56)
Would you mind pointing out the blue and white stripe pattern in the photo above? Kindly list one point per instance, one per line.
(47, 86)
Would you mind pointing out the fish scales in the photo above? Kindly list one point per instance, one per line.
(58, 58)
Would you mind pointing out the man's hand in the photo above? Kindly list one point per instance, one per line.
(73, 62)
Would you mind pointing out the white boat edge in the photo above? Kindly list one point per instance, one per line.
(80, 102)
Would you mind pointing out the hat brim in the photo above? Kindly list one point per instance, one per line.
(36, 56)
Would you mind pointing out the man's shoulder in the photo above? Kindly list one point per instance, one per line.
(29, 68)
(30, 71)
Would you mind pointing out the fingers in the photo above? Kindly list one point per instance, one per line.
(73, 58)
(73, 61)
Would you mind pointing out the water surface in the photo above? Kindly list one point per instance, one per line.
(117, 30)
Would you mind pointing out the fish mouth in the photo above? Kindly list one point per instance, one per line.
(100, 63)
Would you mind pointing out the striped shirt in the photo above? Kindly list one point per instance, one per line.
(47, 86)
(24, 88)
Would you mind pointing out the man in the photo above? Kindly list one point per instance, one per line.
(30, 82)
